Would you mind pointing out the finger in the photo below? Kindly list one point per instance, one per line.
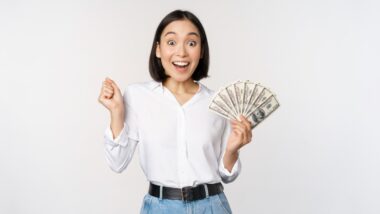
(110, 82)
(246, 122)
(103, 91)
(109, 79)
(241, 119)
(249, 137)
(108, 87)
(237, 127)
(246, 134)
(107, 83)
(115, 86)
(236, 132)
(107, 95)
(247, 125)
(107, 90)
(242, 136)
(240, 124)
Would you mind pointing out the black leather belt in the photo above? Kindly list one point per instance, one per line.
(186, 193)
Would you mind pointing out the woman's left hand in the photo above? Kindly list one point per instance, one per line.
(241, 134)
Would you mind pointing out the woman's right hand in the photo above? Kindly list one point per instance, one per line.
(110, 96)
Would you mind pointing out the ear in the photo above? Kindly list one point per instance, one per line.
(158, 51)
(202, 53)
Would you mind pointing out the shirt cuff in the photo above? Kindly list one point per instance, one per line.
(121, 139)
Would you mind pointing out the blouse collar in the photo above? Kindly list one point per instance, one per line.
(160, 87)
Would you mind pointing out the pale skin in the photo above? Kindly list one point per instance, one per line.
(180, 41)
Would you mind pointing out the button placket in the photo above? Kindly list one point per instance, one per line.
(183, 134)
(181, 146)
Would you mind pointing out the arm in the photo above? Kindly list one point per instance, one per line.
(229, 162)
(240, 135)
(121, 136)
(121, 140)
(117, 122)
(229, 159)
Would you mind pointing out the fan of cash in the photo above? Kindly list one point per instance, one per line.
(252, 100)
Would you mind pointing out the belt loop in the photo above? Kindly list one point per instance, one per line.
(161, 188)
(206, 189)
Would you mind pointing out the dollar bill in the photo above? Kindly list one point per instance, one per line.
(220, 111)
(249, 90)
(239, 91)
(263, 111)
(255, 94)
(265, 94)
(220, 102)
(246, 98)
(232, 95)
(223, 94)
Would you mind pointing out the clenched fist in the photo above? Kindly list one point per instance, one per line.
(110, 96)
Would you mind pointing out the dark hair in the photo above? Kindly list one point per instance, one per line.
(156, 69)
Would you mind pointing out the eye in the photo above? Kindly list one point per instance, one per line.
(192, 43)
(171, 42)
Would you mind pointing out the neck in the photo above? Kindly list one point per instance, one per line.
(185, 87)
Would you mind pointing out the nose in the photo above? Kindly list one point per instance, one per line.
(181, 50)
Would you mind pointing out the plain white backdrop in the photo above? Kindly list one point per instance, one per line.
(317, 154)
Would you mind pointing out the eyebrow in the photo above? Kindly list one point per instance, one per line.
(191, 33)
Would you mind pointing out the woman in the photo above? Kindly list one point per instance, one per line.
(185, 150)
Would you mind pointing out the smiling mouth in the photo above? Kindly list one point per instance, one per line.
(180, 64)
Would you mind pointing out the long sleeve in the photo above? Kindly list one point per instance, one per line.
(119, 151)
(227, 176)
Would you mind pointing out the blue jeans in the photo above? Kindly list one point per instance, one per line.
(216, 204)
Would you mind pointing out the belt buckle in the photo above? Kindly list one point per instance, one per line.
(187, 193)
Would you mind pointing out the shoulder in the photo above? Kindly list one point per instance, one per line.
(206, 90)
(142, 85)
(137, 90)
(207, 93)
(138, 87)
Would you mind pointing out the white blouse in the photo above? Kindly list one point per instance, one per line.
(178, 145)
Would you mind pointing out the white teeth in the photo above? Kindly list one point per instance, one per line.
(181, 63)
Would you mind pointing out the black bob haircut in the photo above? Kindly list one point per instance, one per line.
(156, 69)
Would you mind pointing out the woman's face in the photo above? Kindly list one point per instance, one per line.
(179, 49)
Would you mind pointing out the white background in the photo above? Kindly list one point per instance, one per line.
(318, 154)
